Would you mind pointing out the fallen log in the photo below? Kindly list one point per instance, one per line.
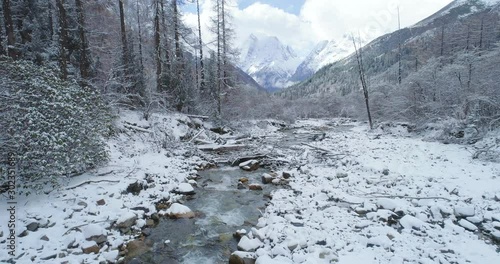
(198, 116)
(213, 147)
(238, 161)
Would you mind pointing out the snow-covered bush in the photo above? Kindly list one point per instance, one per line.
(54, 127)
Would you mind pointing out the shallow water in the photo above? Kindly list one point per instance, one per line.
(223, 210)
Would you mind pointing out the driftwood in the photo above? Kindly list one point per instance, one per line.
(317, 148)
(197, 135)
(220, 147)
(238, 161)
(78, 226)
(199, 116)
(89, 182)
(140, 129)
(409, 197)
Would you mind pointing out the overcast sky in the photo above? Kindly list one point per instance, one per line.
(303, 23)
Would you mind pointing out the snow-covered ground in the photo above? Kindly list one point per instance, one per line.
(382, 198)
(90, 209)
(354, 197)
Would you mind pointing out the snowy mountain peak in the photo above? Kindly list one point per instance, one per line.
(268, 61)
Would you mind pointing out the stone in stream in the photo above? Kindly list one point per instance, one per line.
(249, 245)
(250, 165)
(267, 178)
(241, 257)
(243, 180)
(177, 210)
(241, 186)
(185, 188)
(255, 187)
(287, 175)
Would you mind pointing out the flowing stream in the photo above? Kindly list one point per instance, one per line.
(221, 209)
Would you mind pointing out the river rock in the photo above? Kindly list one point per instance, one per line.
(91, 247)
(101, 202)
(467, 225)
(239, 234)
(177, 210)
(243, 180)
(410, 222)
(464, 211)
(44, 238)
(255, 187)
(127, 220)
(249, 245)
(496, 236)
(136, 248)
(241, 257)
(32, 227)
(267, 178)
(185, 188)
(250, 165)
(241, 186)
(286, 175)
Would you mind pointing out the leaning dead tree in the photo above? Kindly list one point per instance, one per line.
(362, 77)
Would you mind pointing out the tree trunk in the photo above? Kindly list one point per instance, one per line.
(140, 37)
(123, 31)
(219, 89)
(50, 20)
(202, 68)
(9, 30)
(359, 57)
(85, 55)
(2, 50)
(157, 45)
(165, 36)
(400, 78)
(63, 39)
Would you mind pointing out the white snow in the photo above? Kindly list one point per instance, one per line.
(467, 225)
(410, 222)
(248, 245)
(185, 188)
(177, 208)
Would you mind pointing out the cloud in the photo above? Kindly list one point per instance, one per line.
(320, 19)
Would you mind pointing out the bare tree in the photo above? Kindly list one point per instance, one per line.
(84, 52)
(9, 29)
(63, 39)
(400, 78)
(362, 77)
(202, 70)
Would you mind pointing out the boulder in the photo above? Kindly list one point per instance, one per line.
(255, 187)
(250, 165)
(241, 186)
(90, 248)
(241, 257)
(267, 178)
(467, 225)
(185, 188)
(243, 180)
(136, 248)
(249, 245)
(177, 210)
(464, 211)
(32, 226)
(127, 220)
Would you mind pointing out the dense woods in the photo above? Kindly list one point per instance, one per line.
(73, 63)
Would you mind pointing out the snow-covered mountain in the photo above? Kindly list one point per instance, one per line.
(325, 52)
(268, 61)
